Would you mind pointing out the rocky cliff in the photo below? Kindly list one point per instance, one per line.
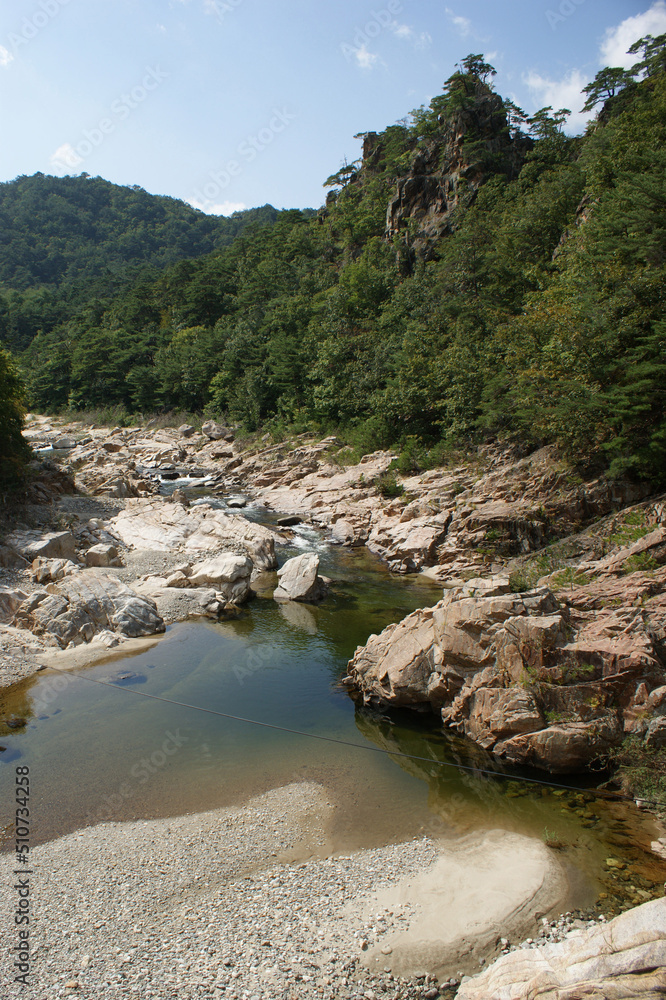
(470, 145)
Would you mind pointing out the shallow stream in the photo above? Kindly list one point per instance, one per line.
(97, 753)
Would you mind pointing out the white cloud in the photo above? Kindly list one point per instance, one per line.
(364, 58)
(619, 39)
(420, 39)
(65, 158)
(225, 208)
(463, 24)
(564, 93)
(5, 56)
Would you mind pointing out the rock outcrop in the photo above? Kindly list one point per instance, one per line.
(445, 174)
(300, 581)
(77, 609)
(624, 958)
(154, 525)
(518, 673)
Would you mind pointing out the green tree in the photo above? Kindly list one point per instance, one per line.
(606, 84)
(14, 449)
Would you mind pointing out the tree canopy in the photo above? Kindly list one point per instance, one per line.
(537, 315)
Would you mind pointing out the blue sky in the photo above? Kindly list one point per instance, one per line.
(235, 103)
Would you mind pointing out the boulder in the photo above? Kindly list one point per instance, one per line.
(64, 443)
(350, 533)
(82, 605)
(563, 747)
(11, 599)
(53, 545)
(624, 958)
(229, 574)
(102, 555)
(300, 580)
(186, 430)
(11, 559)
(512, 673)
(289, 520)
(151, 524)
(217, 432)
(655, 736)
(52, 570)
(396, 666)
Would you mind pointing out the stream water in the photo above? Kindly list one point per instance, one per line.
(97, 753)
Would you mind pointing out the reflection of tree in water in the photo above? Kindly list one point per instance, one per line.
(16, 708)
(458, 798)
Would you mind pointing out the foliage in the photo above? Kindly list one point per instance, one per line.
(538, 317)
(388, 485)
(14, 450)
(642, 770)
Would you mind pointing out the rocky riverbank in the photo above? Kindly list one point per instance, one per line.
(250, 901)
(548, 648)
(549, 643)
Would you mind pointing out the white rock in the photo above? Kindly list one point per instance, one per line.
(300, 580)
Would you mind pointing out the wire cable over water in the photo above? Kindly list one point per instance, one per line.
(598, 793)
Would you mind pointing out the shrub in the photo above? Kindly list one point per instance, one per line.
(14, 449)
(388, 485)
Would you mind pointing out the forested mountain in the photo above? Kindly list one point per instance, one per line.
(476, 273)
(65, 240)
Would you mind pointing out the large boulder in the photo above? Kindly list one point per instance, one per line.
(229, 574)
(300, 580)
(51, 570)
(103, 554)
(82, 605)
(11, 599)
(153, 525)
(523, 676)
(52, 545)
(623, 958)
(217, 432)
(396, 666)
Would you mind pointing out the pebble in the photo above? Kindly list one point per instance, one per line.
(199, 906)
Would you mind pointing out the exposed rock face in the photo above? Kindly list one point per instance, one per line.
(623, 958)
(443, 173)
(11, 598)
(53, 545)
(229, 574)
(151, 524)
(517, 673)
(300, 580)
(79, 607)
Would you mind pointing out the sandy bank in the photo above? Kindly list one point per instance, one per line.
(246, 902)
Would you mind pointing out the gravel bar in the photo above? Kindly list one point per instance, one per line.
(239, 903)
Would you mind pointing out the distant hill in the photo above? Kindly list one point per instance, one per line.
(60, 230)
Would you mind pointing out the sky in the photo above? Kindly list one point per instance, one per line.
(231, 104)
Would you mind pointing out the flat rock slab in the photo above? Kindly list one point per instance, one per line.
(623, 958)
(480, 886)
(164, 527)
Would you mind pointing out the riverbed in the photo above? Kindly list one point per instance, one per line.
(98, 753)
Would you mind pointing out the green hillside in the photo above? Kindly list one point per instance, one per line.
(477, 273)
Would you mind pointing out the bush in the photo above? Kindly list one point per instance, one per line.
(14, 449)
(642, 770)
(388, 485)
